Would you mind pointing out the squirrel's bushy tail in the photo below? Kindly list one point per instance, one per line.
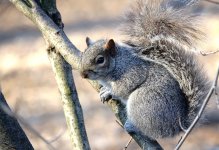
(159, 30)
(152, 19)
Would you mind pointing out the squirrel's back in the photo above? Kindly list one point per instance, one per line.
(162, 31)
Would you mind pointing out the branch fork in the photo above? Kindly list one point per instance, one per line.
(64, 56)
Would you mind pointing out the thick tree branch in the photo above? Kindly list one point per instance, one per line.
(11, 134)
(58, 40)
(63, 73)
(50, 31)
(71, 105)
(25, 124)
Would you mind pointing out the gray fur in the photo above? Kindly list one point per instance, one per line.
(149, 19)
(152, 107)
(162, 82)
(184, 67)
(178, 4)
(176, 24)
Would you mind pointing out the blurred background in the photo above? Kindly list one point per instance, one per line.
(28, 83)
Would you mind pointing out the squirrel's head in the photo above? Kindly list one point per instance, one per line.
(97, 60)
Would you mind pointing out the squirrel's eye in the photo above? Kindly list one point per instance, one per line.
(99, 60)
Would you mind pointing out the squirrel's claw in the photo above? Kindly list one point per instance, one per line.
(105, 94)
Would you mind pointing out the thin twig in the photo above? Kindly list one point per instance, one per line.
(217, 89)
(119, 123)
(127, 145)
(217, 76)
(211, 1)
(209, 53)
(181, 126)
(26, 125)
(58, 136)
(217, 96)
(17, 105)
(199, 113)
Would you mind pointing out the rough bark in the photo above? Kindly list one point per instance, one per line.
(11, 134)
(64, 78)
(71, 106)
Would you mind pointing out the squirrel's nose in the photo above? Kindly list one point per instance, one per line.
(84, 74)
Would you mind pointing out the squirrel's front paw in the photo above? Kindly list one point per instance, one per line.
(105, 94)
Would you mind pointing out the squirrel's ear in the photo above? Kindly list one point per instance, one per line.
(89, 41)
(110, 47)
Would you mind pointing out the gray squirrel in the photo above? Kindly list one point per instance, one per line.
(153, 71)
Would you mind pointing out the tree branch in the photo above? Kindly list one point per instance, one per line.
(208, 53)
(11, 134)
(57, 38)
(26, 125)
(63, 73)
(72, 108)
(50, 31)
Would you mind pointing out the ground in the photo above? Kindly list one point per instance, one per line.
(28, 83)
